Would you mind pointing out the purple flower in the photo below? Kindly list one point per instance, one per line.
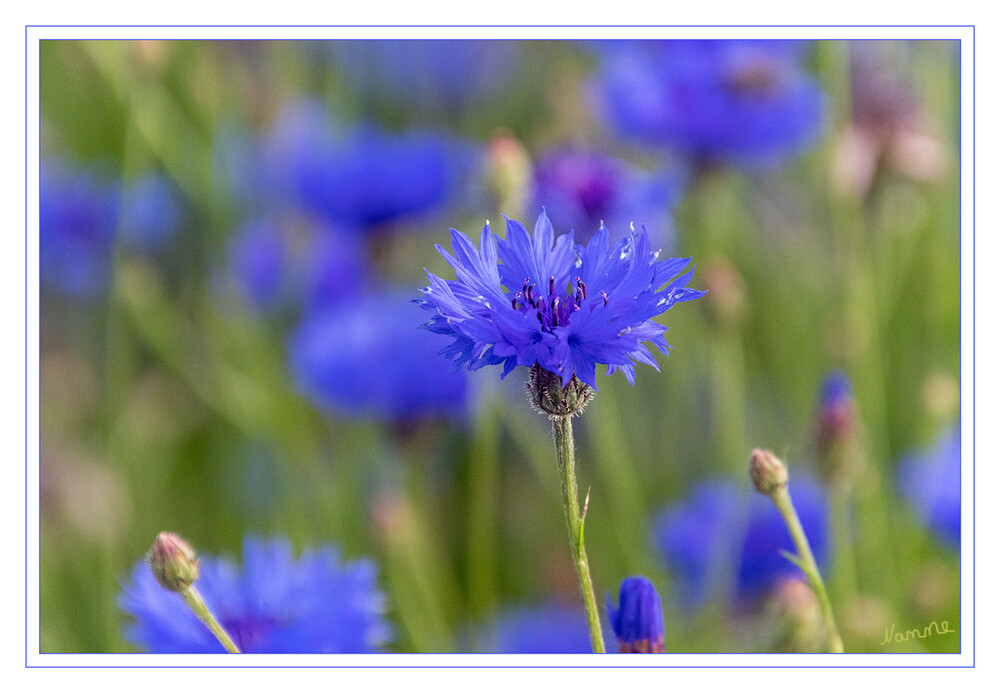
(931, 482)
(580, 189)
(638, 620)
(726, 541)
(525, 300)
(151, 212)
(276, 604)
(714, 101)
(367, 357)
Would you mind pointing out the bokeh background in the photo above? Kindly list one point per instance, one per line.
(231, 233)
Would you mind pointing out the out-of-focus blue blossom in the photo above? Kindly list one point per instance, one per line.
(581, 188)
(427, 73)
(78, 216)
(367, 357)
(525, 300)
(151, 212)
(638, 620)
(547, 629)
(726, 541)
(275, 604)
(931, 482)
(280, 263)
(714, 101)
(362, 177)
(84, 213)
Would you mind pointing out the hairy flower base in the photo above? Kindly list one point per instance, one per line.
(548, 395)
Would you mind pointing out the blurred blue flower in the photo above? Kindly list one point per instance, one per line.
(280, 263)
(638, 620)
(581, 188)
(367, 357)
(427, 73)
(84, 213)
(714, 101)
(151, 212)
(931, 482)
(549, 629)
(363, 177)
(78, 217)
(525, 310)
(276, 604)
(726, 541)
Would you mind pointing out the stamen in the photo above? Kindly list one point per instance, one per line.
(582, 286)
(552, 285)
(605, 297)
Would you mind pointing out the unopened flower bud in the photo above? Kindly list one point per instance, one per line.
(837, 431)
(767, 472)
(638, 620)
(173, 561)
(798, 620)
(548, 394)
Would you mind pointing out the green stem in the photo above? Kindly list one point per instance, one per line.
(562, 431)
(783, 502)
(194, 601)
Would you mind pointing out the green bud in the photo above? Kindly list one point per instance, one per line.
(767, 472)
(173, 562)
(549, 396)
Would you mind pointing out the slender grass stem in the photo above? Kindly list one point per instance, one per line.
(194, 601)
(783, 501)
(562, 431)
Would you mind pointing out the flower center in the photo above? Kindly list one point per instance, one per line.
(554, 308)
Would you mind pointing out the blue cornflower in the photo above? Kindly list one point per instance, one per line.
(427, 73)
(84, 213)
(362, 177)
(726, 541)
(367, 357)
(78, 218)
(582, 188)
(280, 263)
(638, 620)
(931, 481)
(277, 604)
(552, 628)
(526, 300)
(151, 212)
(714, 101)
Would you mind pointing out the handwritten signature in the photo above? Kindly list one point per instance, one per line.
(931, 628)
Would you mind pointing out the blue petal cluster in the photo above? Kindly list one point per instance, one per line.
(84, 213)
(360, 177)
(931, 481)
(726, 542)
(276, 604)
(583, 188)
(367, 357)
(638, 620)
(715, 101)
(539, 299)
(428, 73)
(548, 629)
(281, 264)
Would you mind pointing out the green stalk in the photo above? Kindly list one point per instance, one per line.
(194, 601)
(562, 431)
(807, 562)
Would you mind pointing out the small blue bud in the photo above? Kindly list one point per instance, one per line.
(638, 620)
